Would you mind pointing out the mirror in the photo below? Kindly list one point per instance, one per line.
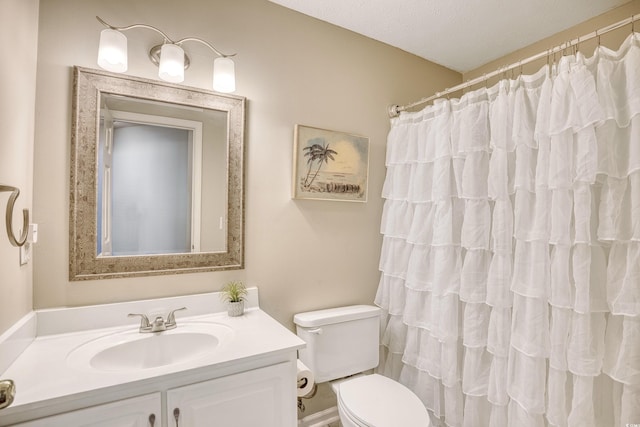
(156, 178)
(160, 167)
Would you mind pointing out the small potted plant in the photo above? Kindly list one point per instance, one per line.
(233, 293)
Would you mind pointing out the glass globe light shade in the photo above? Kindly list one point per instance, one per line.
(224, 76)
(171, 63)
(112, 51)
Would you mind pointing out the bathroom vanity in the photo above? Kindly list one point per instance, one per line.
(92, 366)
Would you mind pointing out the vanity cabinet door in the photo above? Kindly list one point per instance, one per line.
(264, 397)
(143, 411)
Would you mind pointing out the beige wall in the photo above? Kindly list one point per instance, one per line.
(293, 69)
(303, 255)
(18, 50)
(611, 40)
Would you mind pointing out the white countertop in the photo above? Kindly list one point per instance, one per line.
(45, 378)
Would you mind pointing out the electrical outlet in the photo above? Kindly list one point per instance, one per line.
(25, 253)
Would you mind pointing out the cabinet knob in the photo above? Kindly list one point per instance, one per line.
(7, 393)
(152, 420)
(176, 415)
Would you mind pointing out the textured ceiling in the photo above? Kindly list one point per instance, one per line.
(459, 34)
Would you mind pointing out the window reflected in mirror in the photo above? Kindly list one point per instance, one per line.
(160, 167)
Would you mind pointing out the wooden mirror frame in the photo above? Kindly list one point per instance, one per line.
(84, 262)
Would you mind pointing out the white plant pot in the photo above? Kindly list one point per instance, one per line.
(235, 309)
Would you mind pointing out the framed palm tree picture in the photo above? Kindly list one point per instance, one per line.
(330, 165)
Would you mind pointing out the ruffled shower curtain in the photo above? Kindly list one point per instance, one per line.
(511, 248)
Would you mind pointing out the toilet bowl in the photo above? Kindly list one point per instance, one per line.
(378, 401)
(342, 343)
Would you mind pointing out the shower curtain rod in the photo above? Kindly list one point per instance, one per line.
(395, 110)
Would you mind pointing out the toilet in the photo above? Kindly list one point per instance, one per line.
(342, 343)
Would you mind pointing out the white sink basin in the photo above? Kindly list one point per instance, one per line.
(131, 350)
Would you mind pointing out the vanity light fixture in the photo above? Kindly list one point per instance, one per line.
(169, 56)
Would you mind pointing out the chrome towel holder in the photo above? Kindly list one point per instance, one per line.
(15, 192)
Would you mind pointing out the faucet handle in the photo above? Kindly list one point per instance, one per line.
(171, 318)
(144, 320)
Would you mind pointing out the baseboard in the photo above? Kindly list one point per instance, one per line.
(320, 419)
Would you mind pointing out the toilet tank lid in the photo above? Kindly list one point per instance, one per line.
(313, 319)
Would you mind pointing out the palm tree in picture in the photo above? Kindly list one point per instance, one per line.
(313, 152)
(318, 154)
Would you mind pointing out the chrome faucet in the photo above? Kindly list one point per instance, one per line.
(159, 324)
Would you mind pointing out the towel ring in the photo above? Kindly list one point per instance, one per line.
(9, 217)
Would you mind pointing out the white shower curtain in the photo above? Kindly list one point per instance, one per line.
(511, 251)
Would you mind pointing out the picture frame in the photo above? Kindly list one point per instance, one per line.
(330, 165)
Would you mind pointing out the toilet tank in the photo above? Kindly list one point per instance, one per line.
(340, 341)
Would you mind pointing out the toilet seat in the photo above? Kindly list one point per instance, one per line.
(378, 401)
(346, 420)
